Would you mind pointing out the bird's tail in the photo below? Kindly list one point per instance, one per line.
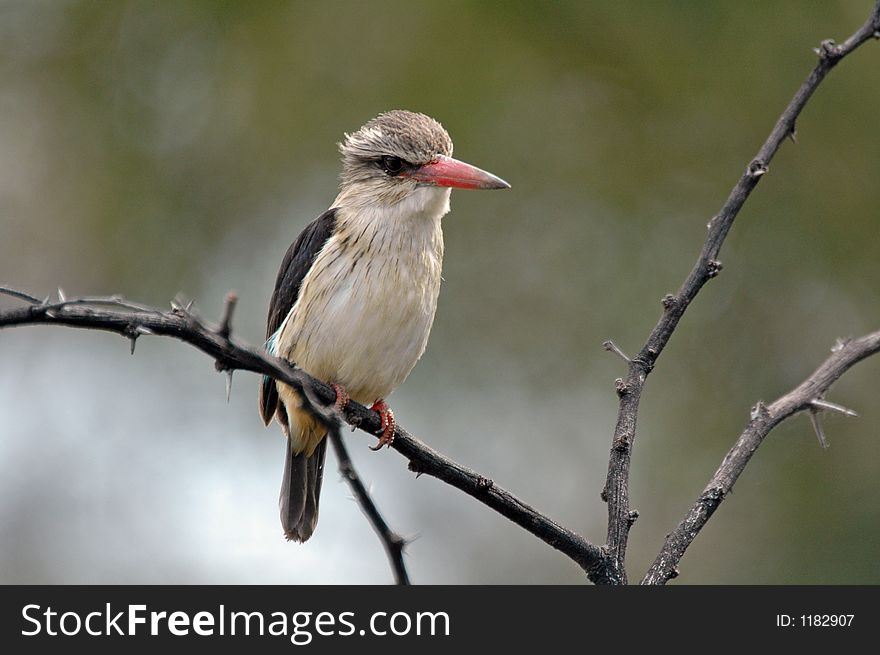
(301, 487)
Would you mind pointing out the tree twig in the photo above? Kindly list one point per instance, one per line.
(763, 420)
(21, 295)
(393, 542)
(225, 328)
(616, 491)
(113, 315)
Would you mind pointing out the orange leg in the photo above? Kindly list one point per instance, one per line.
(388, 424)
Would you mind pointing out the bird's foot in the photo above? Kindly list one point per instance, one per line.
(342, 397)
(388, 424)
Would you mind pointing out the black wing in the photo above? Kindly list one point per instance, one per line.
(294, 267)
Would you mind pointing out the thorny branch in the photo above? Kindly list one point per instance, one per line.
(629, 389)
(392, 542)
(806, 397)
(113, 314)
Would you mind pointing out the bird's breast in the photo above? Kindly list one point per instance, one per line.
(366, 307)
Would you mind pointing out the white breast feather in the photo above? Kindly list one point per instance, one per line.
(366, 306)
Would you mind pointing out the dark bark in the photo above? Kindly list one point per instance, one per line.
(132, 321)
(616, 492)
(806, 397)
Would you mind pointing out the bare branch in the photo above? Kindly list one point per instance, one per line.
(707, 266)
(393, 542)
(111, 315)
(763, 420)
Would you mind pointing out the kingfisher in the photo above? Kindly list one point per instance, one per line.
(356, 293)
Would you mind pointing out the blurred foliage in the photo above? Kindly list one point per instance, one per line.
(148, 148)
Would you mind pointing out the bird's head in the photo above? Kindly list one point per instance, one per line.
(401, 155)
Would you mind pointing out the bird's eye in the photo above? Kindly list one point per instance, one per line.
(392, 165)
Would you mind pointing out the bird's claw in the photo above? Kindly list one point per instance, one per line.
(342, 397)
(388, 424)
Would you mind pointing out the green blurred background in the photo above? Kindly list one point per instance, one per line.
(152, 148)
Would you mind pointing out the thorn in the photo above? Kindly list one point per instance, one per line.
(46, 300)
(133, 339)
(713, 268)
(840, 344)
(817, 428)
(50, 314)
(715, 494)
(397, 541)
(180, 305)
(400, 542)
(758, 410)
(228, 385)
(792, 133)
(819, 404)
(484, 484)
(827, 49)
(140, 329)
(61, 296)
(610, 346)
(757, 168)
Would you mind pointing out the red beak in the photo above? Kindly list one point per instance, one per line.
(446, 171)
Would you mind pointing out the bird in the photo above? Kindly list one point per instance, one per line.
(356, 293)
